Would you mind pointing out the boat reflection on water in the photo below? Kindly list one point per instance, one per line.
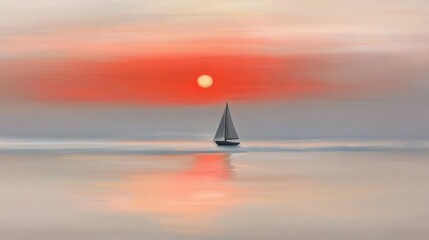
(186, 199)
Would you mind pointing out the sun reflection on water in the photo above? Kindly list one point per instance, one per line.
(186, 199)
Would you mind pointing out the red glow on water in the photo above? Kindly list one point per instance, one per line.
(189, 197)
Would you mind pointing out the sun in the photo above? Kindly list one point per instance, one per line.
(205, 81)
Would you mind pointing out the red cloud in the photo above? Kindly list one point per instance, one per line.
(172, 80)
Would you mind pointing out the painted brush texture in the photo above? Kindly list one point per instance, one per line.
(126, 69)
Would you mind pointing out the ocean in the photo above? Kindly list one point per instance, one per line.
(180, 189)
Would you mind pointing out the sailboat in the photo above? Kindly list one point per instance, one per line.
(226, 130)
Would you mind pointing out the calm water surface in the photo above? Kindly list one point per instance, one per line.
(215, 195)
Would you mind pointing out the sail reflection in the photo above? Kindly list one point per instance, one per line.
(186, 199)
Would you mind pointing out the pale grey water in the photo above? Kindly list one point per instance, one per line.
(298, 190)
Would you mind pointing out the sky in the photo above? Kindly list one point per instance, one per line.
(310, 69)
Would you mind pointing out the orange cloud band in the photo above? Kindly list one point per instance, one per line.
(172, 80)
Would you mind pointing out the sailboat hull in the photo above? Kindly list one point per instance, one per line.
(226, 143)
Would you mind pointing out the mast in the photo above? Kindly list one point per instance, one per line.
(226, 122)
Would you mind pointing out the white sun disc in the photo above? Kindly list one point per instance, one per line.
(205, 81)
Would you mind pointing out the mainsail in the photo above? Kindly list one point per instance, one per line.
(226, 129)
